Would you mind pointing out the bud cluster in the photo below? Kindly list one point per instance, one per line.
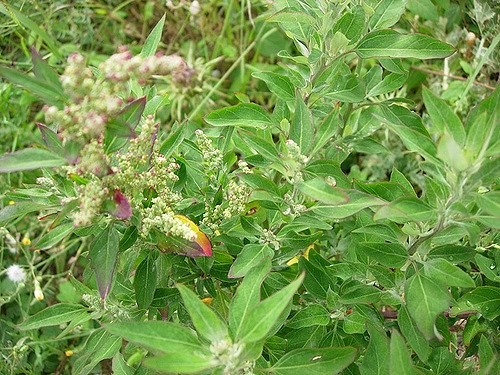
(236, 194)
(294, 162)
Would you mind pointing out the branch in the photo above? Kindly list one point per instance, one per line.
(437, 73)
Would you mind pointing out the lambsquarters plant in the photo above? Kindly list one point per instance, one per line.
(338, 275)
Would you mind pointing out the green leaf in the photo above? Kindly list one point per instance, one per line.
(386, 14)
(16, 210)
(50, 139)
(414, 337)
(46, 92)
(443, 118)
(173, 141)
(388, 43)
(263, 317)
(242, 115)
(45, 73)
(298, 25)
(261, 145)
(357, 202)
(410, 129)
(247, 296)
(486, 299)
(28, 159)
(446, 273)
(250, 256)
(205, 320)
(278, 84)
(145, 282)
(165, 337)
(100, 345)
(55, 235)
(488, 358)
(312, 315)
(399, 178)
(326, 129)
(314, 361)
(452, 253)
(399, 357)
(103, 255)
(351, 24)
(489, 202)
(301, 128)
(122, 127)
(53, 315)
(391, 82)
(153, 40)
(120, 367)
(320, 190)
(391, 255)
(488, 267)
(179, 363)
(423, 8)
(317, 281)
(425, 301)
(376, 358)
(360, 293)
(406, 209)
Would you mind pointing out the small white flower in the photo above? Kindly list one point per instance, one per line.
(194, 8)
(16, 274)
(38, 291)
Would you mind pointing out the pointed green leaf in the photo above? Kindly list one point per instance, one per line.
(386, 13)
(425, 300)
(399, 357)
(158, 336)
(263, 317)
(242, 115)
(320, 190)
(53, 315)
(301, 128)
(153, 40)
(314, 361)
(247, 295)
(179, 363)
(205, 320)
(28, 159)
(250, 256)
(388, 43)
(103, 254)
(278, 84)
(392, 255)
(446, 273)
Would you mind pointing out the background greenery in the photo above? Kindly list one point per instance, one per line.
(416, 257)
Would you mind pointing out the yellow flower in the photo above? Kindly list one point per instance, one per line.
(295, 259)
(207, 300)
(26, 241)
(11, 202)
(68, 353)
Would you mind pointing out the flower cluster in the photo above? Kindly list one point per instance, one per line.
(294, 162)
(161, 217)
(269, 238)
(226, 354)
(212, 157)
(236, 197)
(293, 208)
(95, 100)
(92, 196)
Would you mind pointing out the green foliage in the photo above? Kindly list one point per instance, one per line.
(324, 206)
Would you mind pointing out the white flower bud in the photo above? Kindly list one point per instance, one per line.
(16, 274)
(38, 291)
(194, 8)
